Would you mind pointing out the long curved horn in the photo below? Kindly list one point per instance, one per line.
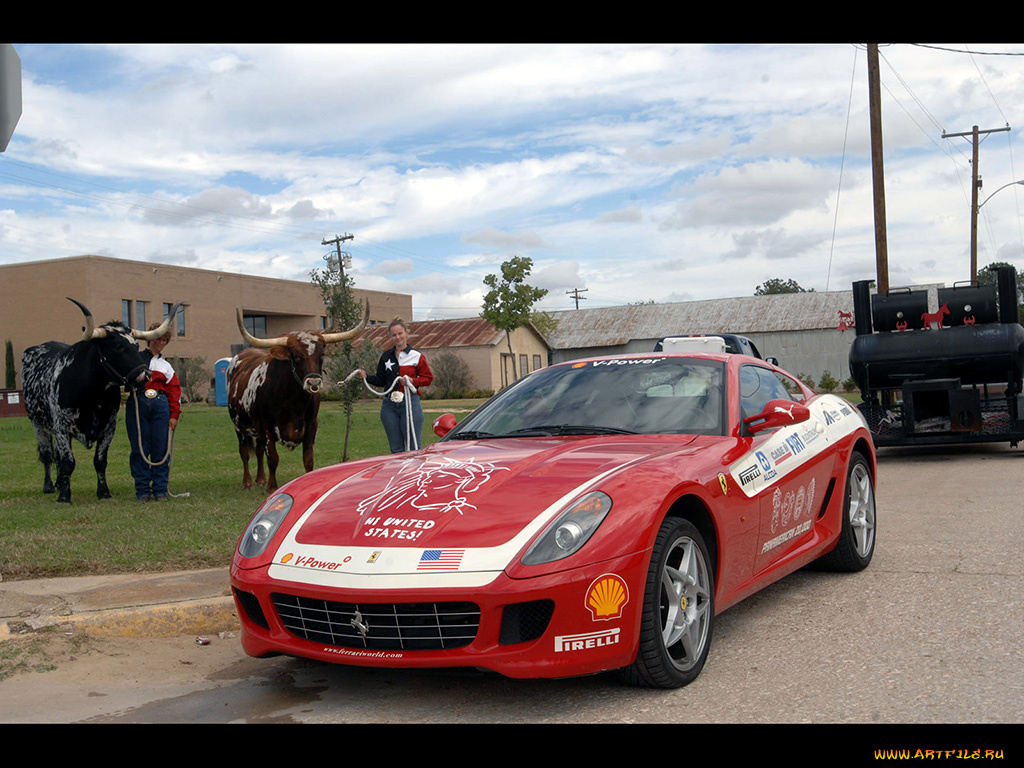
(156, 333)
(254, 341)
(334, 338)
(90, 326)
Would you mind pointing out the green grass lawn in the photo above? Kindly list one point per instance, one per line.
(41, 538)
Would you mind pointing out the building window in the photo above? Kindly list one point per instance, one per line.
(126, 312)
(536, 362)
(524, 366)
(168, 306)
(140, 315)
(256, 325)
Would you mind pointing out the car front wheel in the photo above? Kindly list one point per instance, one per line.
(678, 610)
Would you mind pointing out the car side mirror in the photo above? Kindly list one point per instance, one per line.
(444, 424)
(777, 413)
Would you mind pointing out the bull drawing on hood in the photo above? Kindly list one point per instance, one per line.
(74, 391)
(274, 395)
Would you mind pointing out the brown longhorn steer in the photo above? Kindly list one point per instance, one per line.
(274, 395)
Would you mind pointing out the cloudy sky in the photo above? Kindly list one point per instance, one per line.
(637, 172)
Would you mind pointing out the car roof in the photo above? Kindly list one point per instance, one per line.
(722, 357)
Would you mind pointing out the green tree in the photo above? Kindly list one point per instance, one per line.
(778, 285)
(987, 276)
(345, 312)
(9, 362)
(545, 322)
(509, 302)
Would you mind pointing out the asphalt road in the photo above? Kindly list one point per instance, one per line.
(930, 633)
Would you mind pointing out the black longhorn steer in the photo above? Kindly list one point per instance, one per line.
(74, 391)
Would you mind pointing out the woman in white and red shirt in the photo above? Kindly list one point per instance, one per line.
(159, 407)
(401, 360)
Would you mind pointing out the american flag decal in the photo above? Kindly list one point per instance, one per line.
(440, 559)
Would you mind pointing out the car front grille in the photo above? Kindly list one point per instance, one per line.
(379, 626)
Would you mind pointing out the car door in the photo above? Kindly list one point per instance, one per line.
(792, 468)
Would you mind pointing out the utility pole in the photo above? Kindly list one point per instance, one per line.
(575, 293)
(877, 172)
(975, 186)
(344, 260)
(337, 241)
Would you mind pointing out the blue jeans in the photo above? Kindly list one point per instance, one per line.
(392, 415)
(153, 422)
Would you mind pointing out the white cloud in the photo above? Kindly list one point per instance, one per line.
(638, 171)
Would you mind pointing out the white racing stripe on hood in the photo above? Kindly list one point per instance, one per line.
(397, 567)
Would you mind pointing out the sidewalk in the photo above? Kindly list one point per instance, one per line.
(129, 605)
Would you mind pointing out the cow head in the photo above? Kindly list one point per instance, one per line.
(304, 350)
(118, 348)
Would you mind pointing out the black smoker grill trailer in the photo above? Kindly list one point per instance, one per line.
(954, 376)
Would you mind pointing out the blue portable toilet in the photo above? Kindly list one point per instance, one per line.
(220, 375)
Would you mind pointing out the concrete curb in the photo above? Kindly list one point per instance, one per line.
(196, 617)
(135, 605)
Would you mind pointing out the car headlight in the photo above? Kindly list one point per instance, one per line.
(264, 524)
(570, 530)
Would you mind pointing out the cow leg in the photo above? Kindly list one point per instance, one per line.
(261, 449)
(99, 460)
(65, 467)
(307, 452)
(243, 451)
(272, 462)
(45, 441)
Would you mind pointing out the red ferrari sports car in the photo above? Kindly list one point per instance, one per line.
(596, 515)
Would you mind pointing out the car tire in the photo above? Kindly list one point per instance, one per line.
(856, 544)
(678, 610)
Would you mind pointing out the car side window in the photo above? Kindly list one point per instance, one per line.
(757, 387)
(791, 387)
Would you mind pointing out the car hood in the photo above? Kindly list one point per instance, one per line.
(459, 506)
(475, 493)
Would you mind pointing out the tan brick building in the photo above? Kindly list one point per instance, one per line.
(33, 307)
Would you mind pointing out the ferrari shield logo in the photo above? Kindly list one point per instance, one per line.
(722, 482)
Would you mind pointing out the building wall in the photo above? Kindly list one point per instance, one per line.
(478, 358)
(809, 352)
(525, 341)
(33, 308)
(486, 362)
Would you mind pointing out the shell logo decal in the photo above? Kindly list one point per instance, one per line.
(606, 597)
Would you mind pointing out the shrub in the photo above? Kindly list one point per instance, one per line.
(194, 378)
(451, 375)
(828, 382)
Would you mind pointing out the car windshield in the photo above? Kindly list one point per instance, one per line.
(643, 395)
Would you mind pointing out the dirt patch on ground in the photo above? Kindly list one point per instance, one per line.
(73, 657)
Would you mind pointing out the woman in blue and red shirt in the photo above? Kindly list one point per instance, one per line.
(401, 360)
